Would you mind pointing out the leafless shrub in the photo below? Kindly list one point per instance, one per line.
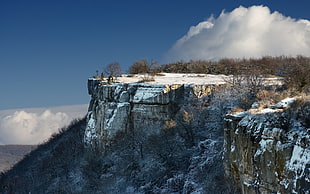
(147, 78)
(113, 69)
(235, 80)
(254, 82)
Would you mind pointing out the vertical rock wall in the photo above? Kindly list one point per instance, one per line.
(134, 106)
(267, 152)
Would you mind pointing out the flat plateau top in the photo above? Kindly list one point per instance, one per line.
(179, 78)
(172, 78)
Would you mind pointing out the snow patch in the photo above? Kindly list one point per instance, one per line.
(90, 131)
(144, 94)
(266, 145)
(232, 148)
(247, 184)
(284, 103)
(300, 158)
(240, 114)
(173, 78)
(267, 110)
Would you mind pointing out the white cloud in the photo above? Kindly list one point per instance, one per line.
(32, 126)
(244, 32)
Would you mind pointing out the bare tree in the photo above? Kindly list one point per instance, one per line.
(254, 81)
(112, 70)
(235, 80)
(140, 66)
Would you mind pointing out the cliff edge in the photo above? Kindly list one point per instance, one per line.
(268, 151)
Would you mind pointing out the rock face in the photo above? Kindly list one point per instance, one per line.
(120, 107)
(265, 151)
(268, 152)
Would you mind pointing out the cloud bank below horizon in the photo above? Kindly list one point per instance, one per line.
(34, 126)
(243, 33)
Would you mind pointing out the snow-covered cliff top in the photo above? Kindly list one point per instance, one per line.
(173, 78)
(278, 107)
(179, 78)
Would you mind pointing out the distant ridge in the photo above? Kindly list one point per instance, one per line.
(11, 154)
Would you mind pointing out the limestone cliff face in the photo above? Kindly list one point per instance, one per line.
(134, 106)
(268, 152)
(265, 151)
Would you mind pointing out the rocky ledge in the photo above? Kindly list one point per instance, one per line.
(268, 151)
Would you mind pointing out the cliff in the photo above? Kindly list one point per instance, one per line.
(265, 151)
(169, 136)
(268, 151)
(123, 106)
(163, 136)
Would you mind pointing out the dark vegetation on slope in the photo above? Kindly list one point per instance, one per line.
(49, 164)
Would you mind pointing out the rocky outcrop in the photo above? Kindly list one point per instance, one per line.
(268, 151)
(265, 151)
(120, 107)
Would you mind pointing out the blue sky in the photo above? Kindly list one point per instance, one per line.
(48, 48)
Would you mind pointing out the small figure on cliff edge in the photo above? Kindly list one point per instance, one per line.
(110, 80)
